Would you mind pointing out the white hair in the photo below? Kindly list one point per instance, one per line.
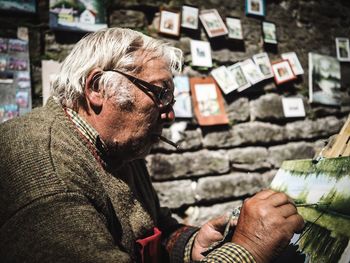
(112, 48)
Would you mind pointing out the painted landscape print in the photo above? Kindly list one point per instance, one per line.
(77, 15)
(321, 191)
(27, 6)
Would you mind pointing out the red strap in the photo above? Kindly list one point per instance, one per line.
(150, 247)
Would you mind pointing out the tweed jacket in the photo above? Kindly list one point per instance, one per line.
(60, 203)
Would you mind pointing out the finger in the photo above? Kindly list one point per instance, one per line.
(287, 210)
(220, 222)
(279, 198)
(297, 222)
(264, 194)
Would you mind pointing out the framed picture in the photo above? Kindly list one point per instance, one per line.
(212, 22)
(50, 69)
(294, 62)
(207, 102)
(251, 71)
(189, 17)
(343, 50)
(283, 71)
(183, 105)
(255, 7)
(77, 15)
(324, 79)
(234, 28)
(201, 53)
(263, 62)
(28, 6)
(238, 75)
(169, 22)
(293, 107)
(225, 79)
(269, 32)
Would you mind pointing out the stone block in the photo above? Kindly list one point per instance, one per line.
(127, 18)
(249, 158)
(267, 107)
(238, 111)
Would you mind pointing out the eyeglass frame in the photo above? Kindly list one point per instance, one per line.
(157, 91)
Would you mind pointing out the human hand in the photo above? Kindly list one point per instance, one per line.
(266, 224)
(209, 233)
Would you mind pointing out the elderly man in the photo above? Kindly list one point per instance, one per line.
(74, 187)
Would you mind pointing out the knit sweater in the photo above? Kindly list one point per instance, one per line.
(58, 203)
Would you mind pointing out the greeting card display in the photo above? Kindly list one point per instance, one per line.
(212, 22)
(207, 102)
(77, 15)
(294, 62)
(183, 105)
(189, 17)
(263, 62)
(225, 79)
(283, 72)
(169, 22)
(201, 53)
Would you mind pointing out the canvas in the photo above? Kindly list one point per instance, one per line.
(320, 190)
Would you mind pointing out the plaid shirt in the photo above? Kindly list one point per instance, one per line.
(228, 253)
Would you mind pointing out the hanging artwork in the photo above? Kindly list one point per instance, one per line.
(169, 22)
(239, 77)
(251, 71)
(324, 79)
(234, 27)
(294, 62)
(282, 71)
(201, 53)
(320, 190)
(255, 7)
(343, 50)
(77, 15)
(225, 79)
(263, 62)
(189, 17)
(207, 102)
(269, 32)
(23, 6)
(183, 105)
(293, 107)
(212, 22)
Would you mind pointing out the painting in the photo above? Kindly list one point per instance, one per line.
(320, 190)
(207, 102)
(269, 32)
(239, 77)
(189, 17)
(324, 79)
(183, 105)
(234, 27)
(294, 62)
(251, 71)
(343, 50)
(24, 6)
(282, 71)
(212, 22)
(225, 79)
(169, 22)
(255, 7)
(263, 62)
(77, 15)
(201, 53)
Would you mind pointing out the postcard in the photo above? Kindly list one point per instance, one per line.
(293, 107)
(263, 62)
(201, 53)
(225, 79)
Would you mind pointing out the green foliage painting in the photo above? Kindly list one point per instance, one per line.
(321, 191)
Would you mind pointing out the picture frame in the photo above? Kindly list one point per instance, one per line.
(294, 62)
(224, 79)
(343, 49)
(269, 32)
(255, 7)
(234, 27)
(324, 80)
(207, 102)
(282, 71)
(190, 17)
(201, 53)
(263, 62)
(293, 107)
(169, 22)
(239, 77)
(251, 71)
(29, 6)
(213, 23)
(183, 104)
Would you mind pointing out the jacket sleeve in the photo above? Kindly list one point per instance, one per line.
(62, 227)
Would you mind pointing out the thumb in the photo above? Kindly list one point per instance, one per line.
(220, 222)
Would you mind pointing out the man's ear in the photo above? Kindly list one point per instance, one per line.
(93, 93)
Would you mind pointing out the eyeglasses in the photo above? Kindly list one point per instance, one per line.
(163, 96)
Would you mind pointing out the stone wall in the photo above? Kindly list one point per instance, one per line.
(217, 167)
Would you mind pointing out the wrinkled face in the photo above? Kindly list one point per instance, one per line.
(130, 133)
